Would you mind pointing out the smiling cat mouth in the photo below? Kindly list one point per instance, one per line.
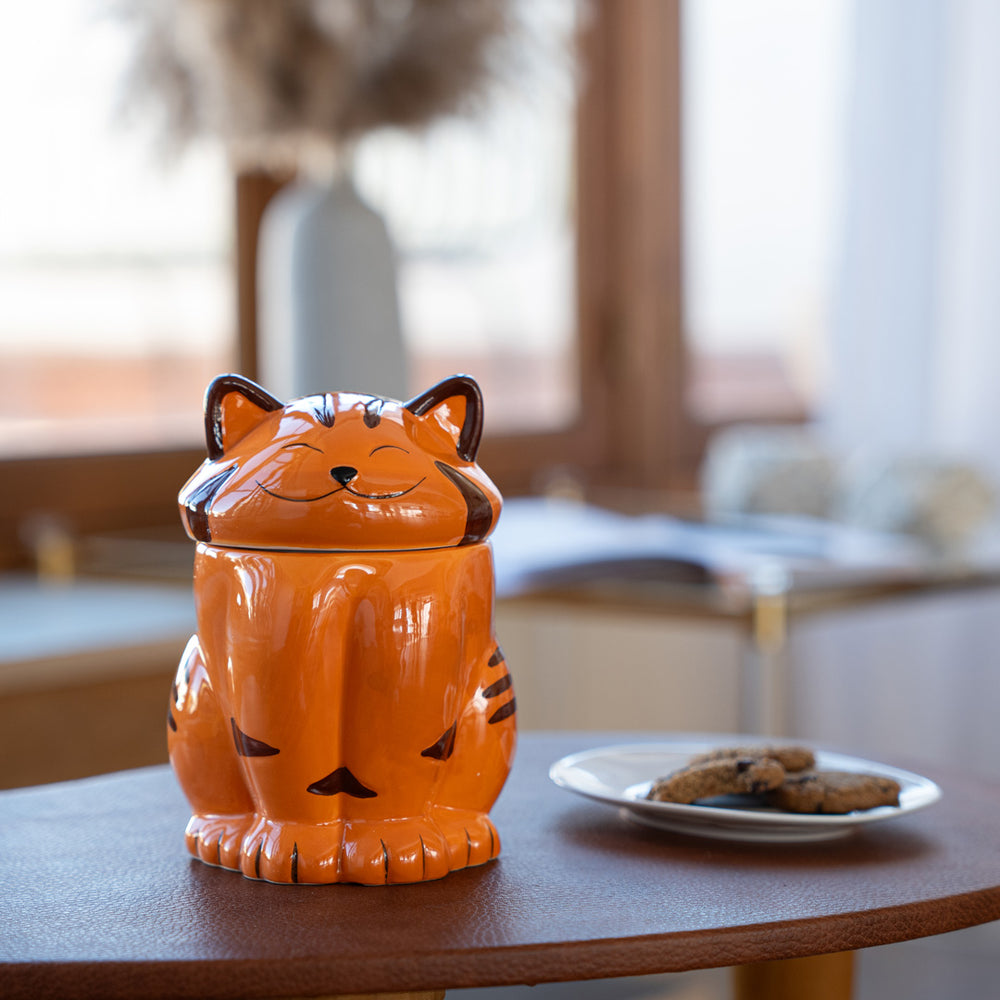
(341, 489)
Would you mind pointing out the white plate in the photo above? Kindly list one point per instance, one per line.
(621, 776)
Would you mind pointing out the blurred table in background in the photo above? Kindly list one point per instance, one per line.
(85, 671)
(609, 621)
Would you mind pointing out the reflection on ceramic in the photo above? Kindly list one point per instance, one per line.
(344, 713)
(622, 775)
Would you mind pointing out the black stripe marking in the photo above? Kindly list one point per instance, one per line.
(247, 746)
(324, 410)
(479, 516)
(497, 657)
(339, 781)
(503, 712)
(443, 748)
(373, 412)
(256, 860)
(197, 502)
(498, 687)
(468, 848)
(171, 721)
(295, 862)
(218, 850)
(493, 843)
(423, 858)
(385, 861)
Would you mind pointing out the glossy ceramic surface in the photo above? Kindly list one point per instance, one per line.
(344, 712)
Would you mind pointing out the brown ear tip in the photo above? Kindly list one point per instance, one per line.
(456, 385)
(222, 386)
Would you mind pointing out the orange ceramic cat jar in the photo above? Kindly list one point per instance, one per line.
(344, 713)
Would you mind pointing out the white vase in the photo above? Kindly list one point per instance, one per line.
(327, 296)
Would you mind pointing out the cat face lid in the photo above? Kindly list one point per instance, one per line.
(341, 471)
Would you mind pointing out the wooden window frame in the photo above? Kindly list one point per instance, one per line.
(632, 434)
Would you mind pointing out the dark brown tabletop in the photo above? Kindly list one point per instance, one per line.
(99, 898)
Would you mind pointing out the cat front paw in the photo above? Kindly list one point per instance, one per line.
(396, 851)
(471, 837)
(217, 840)
(369, 852)
(286, 852)
(416, 849)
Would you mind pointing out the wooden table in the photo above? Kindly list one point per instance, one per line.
(98, 898)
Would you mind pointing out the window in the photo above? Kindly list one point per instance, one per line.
(764, 88)
(620, 421)
(115, 276)
(481, 214)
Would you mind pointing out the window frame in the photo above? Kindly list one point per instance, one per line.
(633, 434)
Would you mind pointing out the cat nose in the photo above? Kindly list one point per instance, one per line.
(343, 474)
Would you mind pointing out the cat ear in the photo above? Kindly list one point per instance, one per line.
(233, 407)
(457, 405)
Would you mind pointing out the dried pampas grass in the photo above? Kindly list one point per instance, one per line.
(274, 78)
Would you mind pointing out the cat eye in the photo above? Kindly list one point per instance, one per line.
(381, 446)
(302, 444)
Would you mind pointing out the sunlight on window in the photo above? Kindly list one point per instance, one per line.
(482, 216)
(116, 302)
(764, 146)
(116, 289)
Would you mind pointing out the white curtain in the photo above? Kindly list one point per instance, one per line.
(916, 329)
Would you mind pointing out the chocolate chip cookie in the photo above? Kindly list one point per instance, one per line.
(729, 776)
(833, 792)
(791, 758)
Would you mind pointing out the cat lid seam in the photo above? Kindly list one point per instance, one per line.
(229, 546)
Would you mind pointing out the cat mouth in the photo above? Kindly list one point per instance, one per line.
(341, 489)
(384, 496)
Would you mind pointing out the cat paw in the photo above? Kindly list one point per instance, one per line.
(217, 840)
(392, 852)
(471, 837)
(276, 851)
(416, 849)
(370, 852)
